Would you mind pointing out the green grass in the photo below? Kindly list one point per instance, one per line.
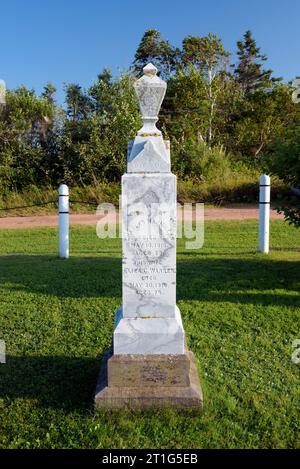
(241, 312)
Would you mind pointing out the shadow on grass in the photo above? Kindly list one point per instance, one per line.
(76, 277)
(69, 383)
(237, 280)
(52, 381)
(246, 281)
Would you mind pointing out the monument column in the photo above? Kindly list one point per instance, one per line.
(149, 365)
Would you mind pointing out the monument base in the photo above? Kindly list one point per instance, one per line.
(148, 336)
(148, 381)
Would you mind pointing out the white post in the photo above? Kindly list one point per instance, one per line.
(63, 206)
(264, 213)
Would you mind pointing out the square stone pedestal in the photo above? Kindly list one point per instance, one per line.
(148, 336)
(148, 381)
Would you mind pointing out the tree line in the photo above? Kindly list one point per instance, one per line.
(217, 114)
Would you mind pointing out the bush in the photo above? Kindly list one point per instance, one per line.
(282, 159)
(210, 175)
(199, 162)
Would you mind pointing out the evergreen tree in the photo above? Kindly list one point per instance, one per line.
(249, 71)
(49, 92)
(78, 103)
(102, 93)
(153, 48)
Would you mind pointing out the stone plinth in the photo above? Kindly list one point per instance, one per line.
(138, 371)
(153, 382)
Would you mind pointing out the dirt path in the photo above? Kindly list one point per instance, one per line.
(240, 213)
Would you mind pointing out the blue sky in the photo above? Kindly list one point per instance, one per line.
(65, 41)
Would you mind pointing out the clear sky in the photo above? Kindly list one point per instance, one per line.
(65, 41)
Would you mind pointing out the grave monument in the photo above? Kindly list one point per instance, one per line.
(149, 364)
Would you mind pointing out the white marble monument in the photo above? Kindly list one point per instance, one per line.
(149, 351)
(149, 321)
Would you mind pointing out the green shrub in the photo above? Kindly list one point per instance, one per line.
(199, 162)
(210, 175)
(282, 159)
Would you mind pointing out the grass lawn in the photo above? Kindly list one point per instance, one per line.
(241, 312)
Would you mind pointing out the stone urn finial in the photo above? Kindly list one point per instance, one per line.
(150, 91)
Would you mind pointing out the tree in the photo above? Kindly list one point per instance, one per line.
(265, 115)
(52, 137)
(153, 48)
(23, 128)
(211, 115)
(49, 92)
(102, 93)
(78, 103)
(249, 71)
(95, 147)
(264, 106)
(209, 57)
(184, 113)
(118, 120)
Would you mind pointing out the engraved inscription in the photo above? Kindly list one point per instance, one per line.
(149, 247)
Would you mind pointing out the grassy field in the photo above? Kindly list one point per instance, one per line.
(241, 312)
